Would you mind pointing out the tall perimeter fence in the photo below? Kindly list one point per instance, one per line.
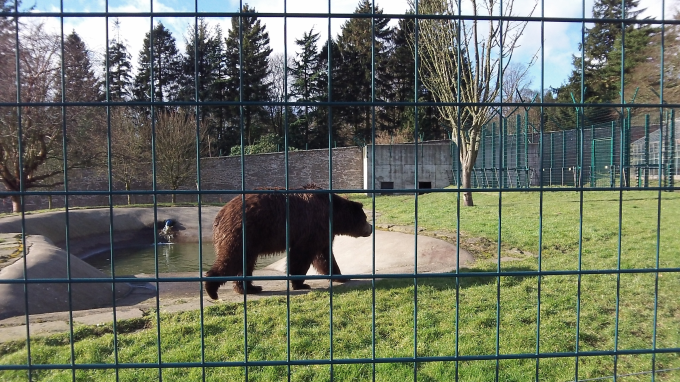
(514, 154)
(566, 268)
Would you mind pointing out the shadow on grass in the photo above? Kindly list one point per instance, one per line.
(440, 282)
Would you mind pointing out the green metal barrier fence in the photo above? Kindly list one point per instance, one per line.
(601, 165)
(574, 230)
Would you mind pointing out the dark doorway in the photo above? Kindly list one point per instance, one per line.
(424, 186)
(386, 186)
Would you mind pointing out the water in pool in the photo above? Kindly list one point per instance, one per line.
(177, 257)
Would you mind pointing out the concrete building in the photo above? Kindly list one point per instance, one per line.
(395, 166)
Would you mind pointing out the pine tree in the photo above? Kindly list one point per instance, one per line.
(306, 72)
(84, 124)
(645, 78)
(601, 64)
(363, 45)
(80, 82)
(328, 117)
(119, 72)
(202, 65)
(167, 67)
(247, 67)
(201, 62)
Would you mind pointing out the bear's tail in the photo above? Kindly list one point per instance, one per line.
(211, 287)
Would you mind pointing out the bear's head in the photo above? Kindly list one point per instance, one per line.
(349, 218)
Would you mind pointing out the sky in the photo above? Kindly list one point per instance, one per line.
(551, 69)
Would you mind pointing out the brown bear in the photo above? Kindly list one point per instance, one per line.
(265, 216)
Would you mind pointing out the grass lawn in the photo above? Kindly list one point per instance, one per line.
(454, 316)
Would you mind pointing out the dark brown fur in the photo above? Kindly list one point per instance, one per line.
(266, 234)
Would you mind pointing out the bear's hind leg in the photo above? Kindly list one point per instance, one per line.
(211, 287)
(219, 268)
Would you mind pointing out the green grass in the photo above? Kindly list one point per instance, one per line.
(437, 301)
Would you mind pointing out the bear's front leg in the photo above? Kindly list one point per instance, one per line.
(322, 266)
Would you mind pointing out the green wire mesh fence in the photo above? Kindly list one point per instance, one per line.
(540, 229)
(513, 160)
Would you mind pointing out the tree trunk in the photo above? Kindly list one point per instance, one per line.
(127, 188)
(16, 203)
(467, 183)
(174, 198)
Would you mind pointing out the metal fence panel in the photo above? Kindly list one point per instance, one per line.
(573, 232)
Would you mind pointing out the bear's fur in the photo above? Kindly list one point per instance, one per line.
(265, 216)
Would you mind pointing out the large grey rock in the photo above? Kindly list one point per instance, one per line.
(46, 261)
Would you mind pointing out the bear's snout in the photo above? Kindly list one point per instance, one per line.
(368, 230)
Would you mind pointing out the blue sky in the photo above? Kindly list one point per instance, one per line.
(560, 39)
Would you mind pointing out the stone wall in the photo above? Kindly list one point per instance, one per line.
(395, 165)
(217, 174)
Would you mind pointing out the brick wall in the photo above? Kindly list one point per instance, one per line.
(223, 173)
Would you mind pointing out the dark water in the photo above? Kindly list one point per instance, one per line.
(178, 257)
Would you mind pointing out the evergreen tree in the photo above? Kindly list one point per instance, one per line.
(306, 73)
(401, 69)
(328, 117)
(203, 66)
(80, 82)
(601, 64)
(119, 72)
(202, 62)
(247, 68)
(363, 44)
(167, 67)
(647, 75)
(84, 124)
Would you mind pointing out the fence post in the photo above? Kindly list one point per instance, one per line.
(504, 127)
(552, 155)
(493, 145)
(626, 148)
(612, 173)
(646, 170)
(671, 154)
(564, 155)
(526, 150)
(579, 151)
(591, 174)
(593, 162)
(484, 156)
(518, 122)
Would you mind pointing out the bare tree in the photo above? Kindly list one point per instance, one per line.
(462, 61)
(176, 141)
(7, 54)
(130, 146)
(277, 91)
(33, 150)
(30, 145)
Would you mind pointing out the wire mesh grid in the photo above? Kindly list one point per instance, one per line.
(572, 233)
